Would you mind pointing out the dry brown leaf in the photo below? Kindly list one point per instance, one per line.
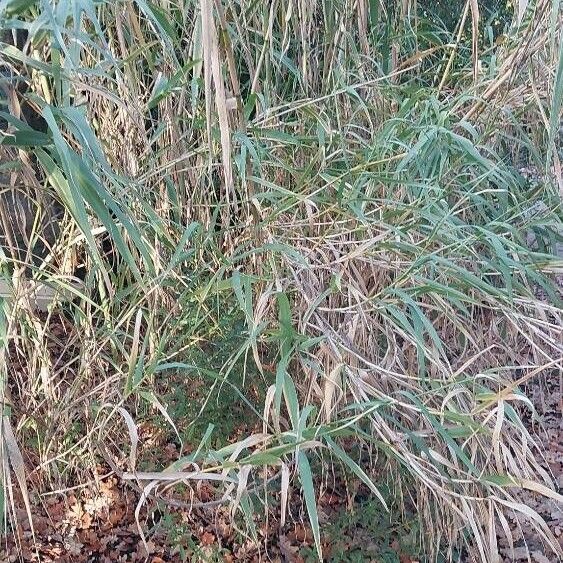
(207, 538)
(288, 550)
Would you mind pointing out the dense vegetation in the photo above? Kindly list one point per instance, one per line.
(302, 237)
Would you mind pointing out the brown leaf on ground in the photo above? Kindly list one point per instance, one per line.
(329, 499)
(116, 515)
(207, 538)
(301, 534)
(288, 549)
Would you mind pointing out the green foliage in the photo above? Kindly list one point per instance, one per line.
(368, 532)
(450, 11)
(288, 230)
